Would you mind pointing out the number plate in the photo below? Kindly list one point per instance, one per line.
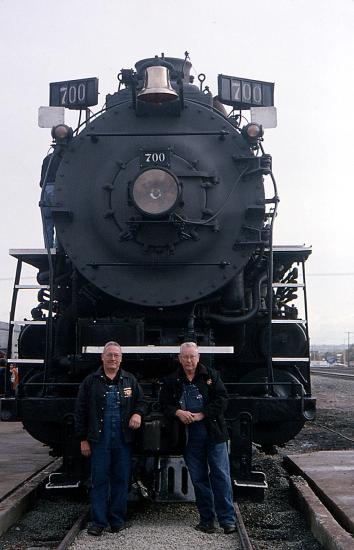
(158, 157)
(244, 93)
(74, 94)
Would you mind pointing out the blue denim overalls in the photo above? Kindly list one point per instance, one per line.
(110, 467)
(208, 465)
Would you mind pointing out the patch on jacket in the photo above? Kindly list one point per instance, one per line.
(127, 392)
(209, 381)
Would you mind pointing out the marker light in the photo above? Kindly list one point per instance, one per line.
(155, 192)
(252, 132)
(62, 133)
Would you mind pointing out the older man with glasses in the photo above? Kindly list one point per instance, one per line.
(109, 408)
(196, 395)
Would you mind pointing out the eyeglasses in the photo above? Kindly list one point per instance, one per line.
(113, 355)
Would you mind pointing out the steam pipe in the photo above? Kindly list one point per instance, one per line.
(256, 294)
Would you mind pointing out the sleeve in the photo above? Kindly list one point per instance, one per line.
(166, 399)
(140, 404)
(217, 397)
(81, 411)
(44, 169)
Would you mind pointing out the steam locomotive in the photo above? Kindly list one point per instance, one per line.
(164, 235)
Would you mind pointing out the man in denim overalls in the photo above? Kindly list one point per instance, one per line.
(196, 395)
(110, 406)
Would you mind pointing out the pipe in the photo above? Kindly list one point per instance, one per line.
(256, 294)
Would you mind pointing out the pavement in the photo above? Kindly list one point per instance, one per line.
(325, 493)
(24, 465)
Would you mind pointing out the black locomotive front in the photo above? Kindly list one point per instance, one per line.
(164, 235)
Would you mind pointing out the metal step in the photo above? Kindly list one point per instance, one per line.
(292, 359)
(32, 286)
(25, 361)
(28, 322)
(294, 321)
(288, 285)
(30, 251)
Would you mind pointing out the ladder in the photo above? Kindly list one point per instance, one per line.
(38, 258)
(296, 254)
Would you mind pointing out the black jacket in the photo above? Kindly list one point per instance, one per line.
(213, 391)
(91, 402)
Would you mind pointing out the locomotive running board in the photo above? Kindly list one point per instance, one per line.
(160, 349)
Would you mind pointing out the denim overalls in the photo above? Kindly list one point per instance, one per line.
(208, 465)
(110, 467)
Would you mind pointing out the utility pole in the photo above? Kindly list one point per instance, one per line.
(348, 333)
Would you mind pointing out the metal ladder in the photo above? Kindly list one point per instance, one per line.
(34, 257)
(302, 251)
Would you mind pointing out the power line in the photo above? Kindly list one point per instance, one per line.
(349, 274)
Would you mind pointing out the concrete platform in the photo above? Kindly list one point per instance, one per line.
(24, 465)
(21, 457)
(330, 475)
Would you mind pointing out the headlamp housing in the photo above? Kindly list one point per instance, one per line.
(155, 192)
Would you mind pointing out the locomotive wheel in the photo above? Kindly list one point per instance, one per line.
(32, 377)
(270, 433)
(280, 431)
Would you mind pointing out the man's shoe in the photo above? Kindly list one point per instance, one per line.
(206, 527)
(95, 530)
(230, 528)
(117, 528)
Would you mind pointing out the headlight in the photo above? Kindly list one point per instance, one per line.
(155, 192)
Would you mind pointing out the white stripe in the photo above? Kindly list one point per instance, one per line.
(160, 349)
(31, 286)
(25, 361)
(298, 359)
(28, 322)
(298, 321)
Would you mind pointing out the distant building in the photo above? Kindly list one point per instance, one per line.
(4, 331)
(4, 334)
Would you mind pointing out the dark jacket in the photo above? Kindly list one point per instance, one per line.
(213, 391)
(91, 402)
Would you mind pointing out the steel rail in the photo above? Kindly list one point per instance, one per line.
(333, 431)
(245, 541)
(339, 375)
(74, 531)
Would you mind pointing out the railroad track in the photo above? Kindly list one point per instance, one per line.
(331, 374)
(238, 541)
(71, 535)
(245, 541)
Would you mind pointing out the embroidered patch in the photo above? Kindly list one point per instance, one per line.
(127, 392)
(209, 381)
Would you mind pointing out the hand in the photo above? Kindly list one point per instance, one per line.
(198, 416)
(185, 416)
(135, 421)
(85, 448)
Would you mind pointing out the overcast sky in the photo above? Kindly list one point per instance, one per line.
(305, 46)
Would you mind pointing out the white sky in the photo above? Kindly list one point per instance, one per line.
(305, 46)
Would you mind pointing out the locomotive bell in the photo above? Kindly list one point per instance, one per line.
(157, 87)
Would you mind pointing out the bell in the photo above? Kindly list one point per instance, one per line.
(157, 87)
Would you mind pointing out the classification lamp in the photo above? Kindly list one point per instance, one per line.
(62, 133)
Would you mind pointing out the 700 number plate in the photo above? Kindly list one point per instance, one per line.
(159, 157)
